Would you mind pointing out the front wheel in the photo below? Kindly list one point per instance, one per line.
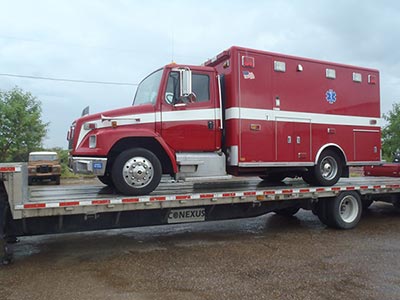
(106, 179)
(136, 172)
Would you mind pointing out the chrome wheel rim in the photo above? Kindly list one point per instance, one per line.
(329, 168)
(138, 172)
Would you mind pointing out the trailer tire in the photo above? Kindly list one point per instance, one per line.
(136, 172)
(328, 170)
(288, 211)
(366, 204)
(344, 211)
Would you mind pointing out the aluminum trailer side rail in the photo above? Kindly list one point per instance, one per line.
(59, 209)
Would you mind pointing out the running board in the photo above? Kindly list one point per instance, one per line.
(209, 178)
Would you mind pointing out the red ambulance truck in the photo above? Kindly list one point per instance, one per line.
(243, 113)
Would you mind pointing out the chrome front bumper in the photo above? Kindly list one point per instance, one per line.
(88, 165)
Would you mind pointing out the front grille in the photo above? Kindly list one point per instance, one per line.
(44, 169)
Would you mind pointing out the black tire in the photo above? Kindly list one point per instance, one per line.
(106, 179)
(273, 177)
(288, 211)
(136, 172)
(30, 180)
(321, 211)
(366, 204)
(328, 170)
(308, 177)
(57, 180)
(344, 211)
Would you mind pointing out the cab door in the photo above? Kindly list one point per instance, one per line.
(189, 124)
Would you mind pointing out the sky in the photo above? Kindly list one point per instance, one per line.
(122, 41)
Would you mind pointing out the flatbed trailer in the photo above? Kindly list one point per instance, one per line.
(35, 210)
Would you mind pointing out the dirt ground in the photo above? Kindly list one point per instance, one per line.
(269, 257)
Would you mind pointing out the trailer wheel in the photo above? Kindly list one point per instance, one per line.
(136, 172)
(343, 211)
(328, 170)
(288, 211)
(366, 203)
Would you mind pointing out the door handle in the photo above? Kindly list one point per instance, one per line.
(210, 125)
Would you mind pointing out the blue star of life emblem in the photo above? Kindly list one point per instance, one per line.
(330, 96)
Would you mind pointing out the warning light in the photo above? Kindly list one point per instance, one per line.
(248, 61)
(255, 127)
(89, 126)
(371, 79)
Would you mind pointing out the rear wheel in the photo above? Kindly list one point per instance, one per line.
(308, 177)
(273, 177)
(57, 180)
(136, 172)
(328, 170)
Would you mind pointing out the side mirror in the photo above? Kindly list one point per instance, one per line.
(186, 82)
(85, 111)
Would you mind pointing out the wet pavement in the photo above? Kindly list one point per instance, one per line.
(269, 257)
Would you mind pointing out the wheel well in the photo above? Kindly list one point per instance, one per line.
(339, 152)
(140, 142)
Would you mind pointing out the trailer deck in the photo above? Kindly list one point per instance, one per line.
(49, 209)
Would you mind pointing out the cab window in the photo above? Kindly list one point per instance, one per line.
(200, 88)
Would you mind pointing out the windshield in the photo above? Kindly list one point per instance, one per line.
(147, 90)
(43, 157)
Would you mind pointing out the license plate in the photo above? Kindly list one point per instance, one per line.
(186, 215)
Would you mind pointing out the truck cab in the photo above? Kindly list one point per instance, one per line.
(174, 127)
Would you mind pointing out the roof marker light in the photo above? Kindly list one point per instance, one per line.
(279, 66)
(248, 61)
(299, 68)
(371, 79)
(330, 73)
(357, 77)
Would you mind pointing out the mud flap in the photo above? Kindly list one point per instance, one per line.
(6, 223)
